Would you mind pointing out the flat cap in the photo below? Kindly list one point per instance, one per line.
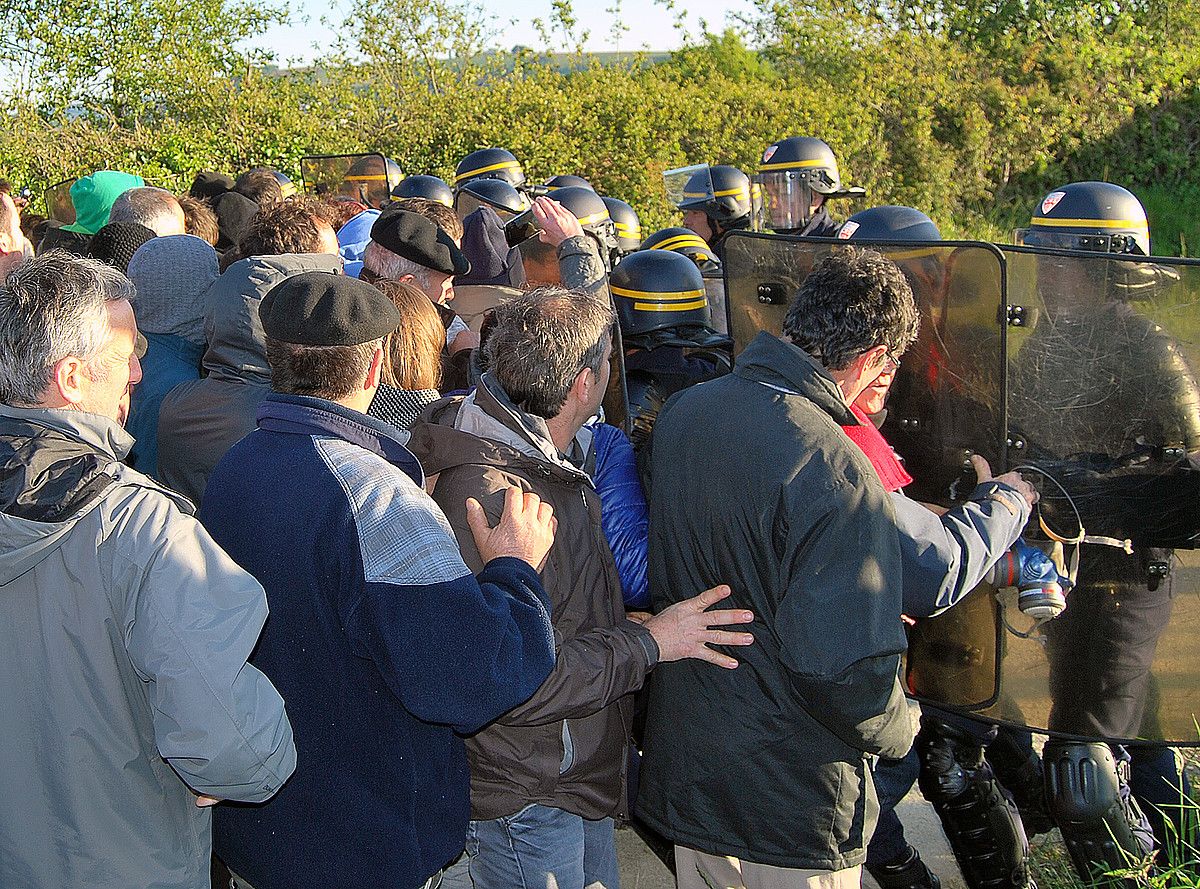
(323, 309)
(419, 240)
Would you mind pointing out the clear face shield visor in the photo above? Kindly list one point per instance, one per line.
(1119, 244)
(787, 199)
(689, 187)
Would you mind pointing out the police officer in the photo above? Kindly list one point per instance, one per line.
(370, 180)
(683, 240)
(566, 181)
(431, 188)
(495, 193)
(717, 200)
(489, 163)
(666, 326)
(1098, 377)
(798, 175)
(628, 225)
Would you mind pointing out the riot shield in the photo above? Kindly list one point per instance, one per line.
(1104, 409)
(360, 177)
(1081, 366)
(59, 206)
(616, 397)
(472, 302)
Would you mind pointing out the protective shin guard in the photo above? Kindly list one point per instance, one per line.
(907, 872)
(981, 823)
(1088, 794)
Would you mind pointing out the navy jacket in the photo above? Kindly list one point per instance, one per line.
(382, 642)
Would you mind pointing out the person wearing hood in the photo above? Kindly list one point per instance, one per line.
(552, 770)
(172, 275)
(201, 419)
(353, 238)
(129, 706)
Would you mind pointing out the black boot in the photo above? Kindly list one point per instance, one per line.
(906, 872)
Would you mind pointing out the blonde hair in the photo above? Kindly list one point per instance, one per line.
(413, 352)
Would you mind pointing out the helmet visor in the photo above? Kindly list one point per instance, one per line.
(689, 187)
(787, 199)
(1119, 243)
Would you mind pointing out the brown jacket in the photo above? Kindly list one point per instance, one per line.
(566, 746)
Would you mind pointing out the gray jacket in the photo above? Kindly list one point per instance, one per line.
(124, 683)
(200, 420)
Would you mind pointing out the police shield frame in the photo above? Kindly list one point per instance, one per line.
(1081, 369)
(59, 206)
(360, 177)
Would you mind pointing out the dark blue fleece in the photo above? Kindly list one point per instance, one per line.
(381, 642)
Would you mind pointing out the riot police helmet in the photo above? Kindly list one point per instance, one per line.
(589, 208)
(657, 289)
(682, 240)
(498, 194)
(370, 180)
(432, 188)
(556, 182)
(490, 163)
(890, 223)
(1096, 216)
(792, 174)
(626, 222)
(722, 193)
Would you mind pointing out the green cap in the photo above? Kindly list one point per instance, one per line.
(93, 197)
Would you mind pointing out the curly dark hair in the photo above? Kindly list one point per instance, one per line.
(854, 299)
(287, 227)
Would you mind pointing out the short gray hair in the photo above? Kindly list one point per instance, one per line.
(51, 307)
(152, 207)
(383, 263)
(542, 340)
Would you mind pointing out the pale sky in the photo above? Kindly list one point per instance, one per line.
(651, 27)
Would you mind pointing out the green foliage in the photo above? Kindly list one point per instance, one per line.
(967, 109)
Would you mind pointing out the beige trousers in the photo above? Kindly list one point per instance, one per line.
(699, 870)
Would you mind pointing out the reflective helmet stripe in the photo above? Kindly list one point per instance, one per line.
(377, 177)
(792, 165)
(740, 191)
(919, 253)
(595, 217)
(673, 296)
(503, 165)
(1089, 223)
(670, 307)
(630, 230)
(681, 241)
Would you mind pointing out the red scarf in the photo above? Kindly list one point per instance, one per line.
(872, 443)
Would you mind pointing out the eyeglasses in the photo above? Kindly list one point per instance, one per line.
(891, 363)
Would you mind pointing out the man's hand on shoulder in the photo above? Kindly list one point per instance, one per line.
(525, 531)
(685, 629)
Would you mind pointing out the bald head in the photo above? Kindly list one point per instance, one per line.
(154, 208)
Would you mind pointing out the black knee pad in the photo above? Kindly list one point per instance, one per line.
(1088, 794)
(980, 821)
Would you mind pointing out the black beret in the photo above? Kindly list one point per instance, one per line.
(419, 240)
(324, 309)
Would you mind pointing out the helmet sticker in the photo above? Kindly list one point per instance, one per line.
(847, 230)
(769, 153)
(1051, 201)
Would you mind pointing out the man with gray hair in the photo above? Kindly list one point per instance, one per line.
(552, 770)
(129, 707)
(154, 208)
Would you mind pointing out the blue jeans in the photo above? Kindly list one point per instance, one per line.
(541, 847)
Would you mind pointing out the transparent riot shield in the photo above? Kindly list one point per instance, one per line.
(1104, 410)
(616, 397)
(59, 206)
(692, 183)
(361, 177)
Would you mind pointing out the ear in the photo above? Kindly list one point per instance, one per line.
(375, 372)
(872, 359)
(582, 387)
(69, 380)
(407, 279)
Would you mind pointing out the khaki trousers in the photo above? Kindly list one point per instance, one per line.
(699, 870)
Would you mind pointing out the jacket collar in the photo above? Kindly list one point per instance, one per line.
(101, 433)
(489, 413)
(780, 365)
(303, 415)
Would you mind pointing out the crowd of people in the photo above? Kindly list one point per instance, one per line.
(418, 537)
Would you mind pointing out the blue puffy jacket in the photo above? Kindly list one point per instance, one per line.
(624, 517)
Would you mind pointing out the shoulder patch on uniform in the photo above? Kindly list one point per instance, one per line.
(404, 536)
